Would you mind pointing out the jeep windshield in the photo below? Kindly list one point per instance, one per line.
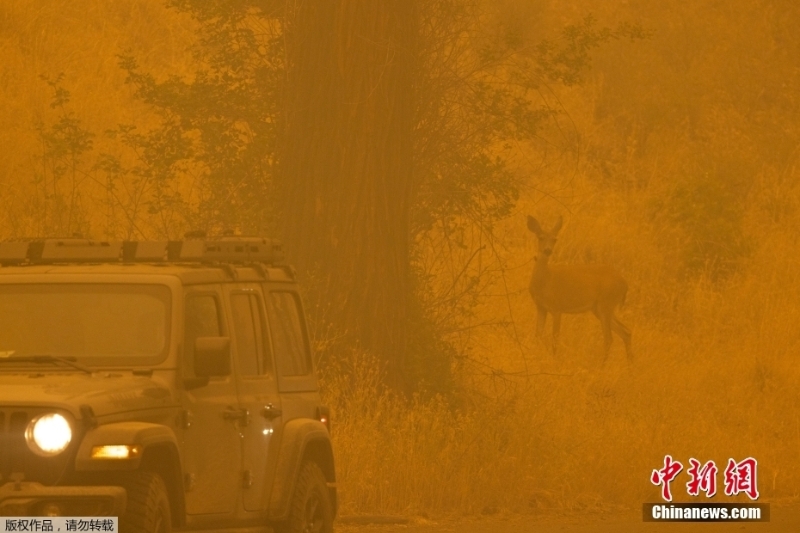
(94, 323)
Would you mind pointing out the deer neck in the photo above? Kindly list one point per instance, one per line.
(541, 272)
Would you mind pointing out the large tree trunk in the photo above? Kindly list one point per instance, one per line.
(346, 167)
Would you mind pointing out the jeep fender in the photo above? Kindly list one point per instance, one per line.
(303, 439)
(159, 454)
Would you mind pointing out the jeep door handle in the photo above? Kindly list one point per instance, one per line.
(271, 412)
(236, 414)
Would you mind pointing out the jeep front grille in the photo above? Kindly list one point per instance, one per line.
(12, 442)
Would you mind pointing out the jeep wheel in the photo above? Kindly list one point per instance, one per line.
(147, 510)
(311, 509)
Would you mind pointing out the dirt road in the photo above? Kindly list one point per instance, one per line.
(783, 519)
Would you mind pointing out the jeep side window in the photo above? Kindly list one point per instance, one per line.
(202, 320)
(249, 333)
(288, 342)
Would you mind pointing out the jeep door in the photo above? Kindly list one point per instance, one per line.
(261, 424)
(212, 451)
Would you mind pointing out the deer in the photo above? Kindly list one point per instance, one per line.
(575, 289)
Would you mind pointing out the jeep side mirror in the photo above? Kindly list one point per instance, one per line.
(212, 356)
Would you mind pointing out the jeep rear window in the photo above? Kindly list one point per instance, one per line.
(288, 341)
(117, 323)
(248, 330)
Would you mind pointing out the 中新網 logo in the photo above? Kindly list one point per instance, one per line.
(739, 477)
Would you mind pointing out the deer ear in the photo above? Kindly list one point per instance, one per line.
(558, 225)
(534, 226)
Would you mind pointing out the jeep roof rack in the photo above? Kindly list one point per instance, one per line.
(228, 249)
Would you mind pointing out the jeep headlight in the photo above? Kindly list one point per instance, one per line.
(48, 434)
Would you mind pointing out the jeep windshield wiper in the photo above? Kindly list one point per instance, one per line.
(41, 359)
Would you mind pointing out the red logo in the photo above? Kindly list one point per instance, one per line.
(739, 477)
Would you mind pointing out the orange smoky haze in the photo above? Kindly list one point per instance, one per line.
(668, 150)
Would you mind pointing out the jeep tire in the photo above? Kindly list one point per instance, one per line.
(310, 509)
(147, 510)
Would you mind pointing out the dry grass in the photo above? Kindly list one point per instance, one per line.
(423, 457)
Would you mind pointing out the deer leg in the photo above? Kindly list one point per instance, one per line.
(541, 316)
(625, 335)
(605, 321)
(556, 330)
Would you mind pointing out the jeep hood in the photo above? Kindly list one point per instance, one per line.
(105, 392)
